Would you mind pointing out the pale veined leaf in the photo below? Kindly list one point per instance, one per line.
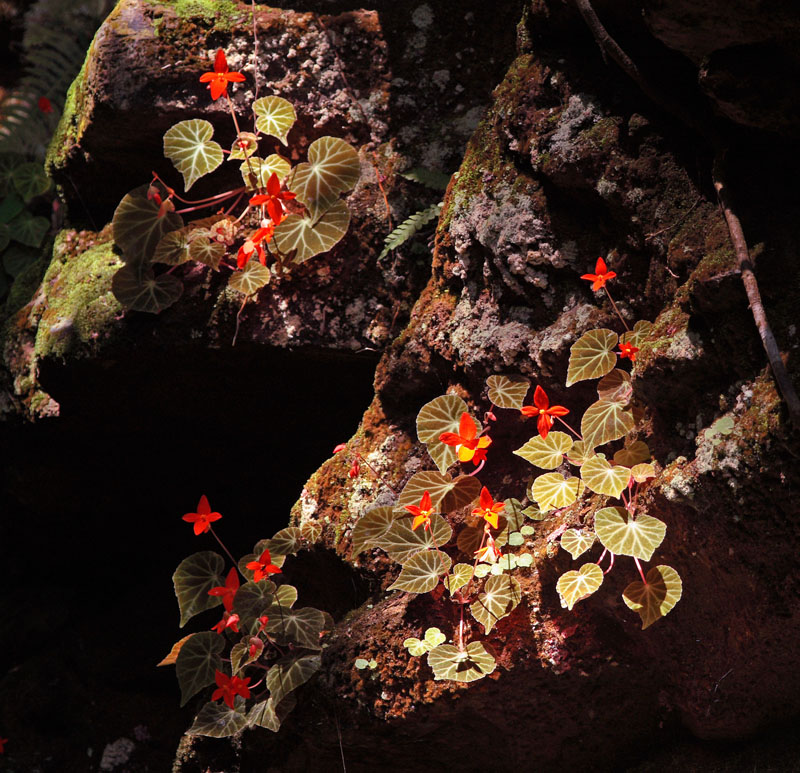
(640, 333)
(139, 289)
(311, 531)
(435, 483)
(189, 146)
(656, 599)
(592, 355)
(288, 674)
(266, 714)
(442, 414)
(448, 662)
(574, 586)
(218, 720)
(250, 279)
(370, 528)
(633, 454)
(137, 226)
(577, 541)
(615, 387)
(275, 116)
(580, 452)
(205, 251)
(507, 391)
(641, 472)
(458, 577)
(245, 146)
(603, 422)
(627, 537)
(421, 572)
(30, 180)
(600, 477)
(401, 541)
(286, 542)
(252, 600)
(173, 248)
(500, 596)
(466, 488)
(415, 646)
(308, 237)
(197, 662)
(553, 490)
(333, 168)
(302, 627)
(28, 229)
(193, 579)
(546, 452)
(257, 172)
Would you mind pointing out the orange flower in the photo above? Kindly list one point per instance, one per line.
(253, 244)
(228, 687)
(628, 350)
(489, 510)
(489, 552)
(273, 198)
(263, 567)
(228, 590)
(601, 275)
(219, 79)
(469, 446)
(422, 512)
(541, 407)
(203, 518)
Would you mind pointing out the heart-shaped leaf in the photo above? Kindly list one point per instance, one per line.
(415, 646)
(218, 720)
(632, 454)
(401, 541)
(8, 163)
(615, 387)
(459, 576)
(206, 251)
(371, 527)
(580, 452)
(574, 586)
(627, 537)
(302, 627)
(137, 226)
(250, 279)
(311, 237)
(465, 490)
(28, 229)
(193, 579)
(514, 514)
(311, 531)
(442, 414)
(189, 146)
(139, 289)
(257, 172)
(434, 637)
(553, 490)
(286, 542)
(577, 541)
(170, 659)
(275, 116)
(508, 391)
(657, 598)
(641, 472)
(640, 333)
(435, 483)
(252, 600)
(30, 180)
(546, 452)
(333, 168)
(592, 355)
(603, 422)
(266, 714)
(241, 653)
(197, 662)
(16, 257)
(447, 662)
(500, 596)
(602, 478)
(244, 146)
(173, 248)
(288, 674)
(422, 571)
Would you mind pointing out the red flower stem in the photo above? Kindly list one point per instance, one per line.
(217, 196)
(238, 136)
(602, 555)
(577, 434)
(378, 475)
(610, 565)
(228, 552)
(478, 468)
(233, 206)
(209, 204)
(238, 320)
(614, 305)
(475, 565)
(639, 567)
(255, 59)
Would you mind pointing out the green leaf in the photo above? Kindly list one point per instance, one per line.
(246, 144)
(311, 531)
(17, 258)
(442, 414)
(409, 227)
(603, 422)
(5, 237)
(527, 530)
(308, 237)
(514, 514)
(421, 572)
(217, 720)
(275, 117)
(250, 279)
(546, 452)
(140, 290)
(577, 541)
(30, 180)
(615, 387)
(508, 391)
(285, 596)
(173, 248)
(641, 472)
(193, 579)
(627, 537)
(592, 355)
(459, 576)
(198, 661)
(633, 454)
(401, 541)
(524, 560)
(416, 647)
(500, 596)
(436, 484)
(574, 586)
(371, 527)
(600, 477)
(434, 637)
(8, 163)
(448, 663)
(481, 570)
(208, 252)
(333, 168)
(580, 452)
(137, 226)
(266, 714)
(515, 539)
(553, 490)
(189, 146)
(430, 178)
(252, 600)
(302, 627)
(288, 674)
(286, 542)
(656, 599)
(257, 173)
(28, 229)
(10, 207)
(640, 333)
(240, 654)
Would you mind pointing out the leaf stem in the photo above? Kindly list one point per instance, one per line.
(639, 567)
(616, 310)
(577, 434)
(228, 552)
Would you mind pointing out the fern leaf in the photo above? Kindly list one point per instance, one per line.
(430, 178)
(409, 227)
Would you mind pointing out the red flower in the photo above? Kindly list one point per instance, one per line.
(263, 567)
(340, 447)
(254, 244)
(489, 510)
(228, 621)
(228, 590)
(422, 512)
(262, 623)
(601, 275)
(468, 445)
(628, 350)
(228, 687)
(273, 198)
(355, 468)
(3, 742)
(219, 79)
(541, 407)
(203, 518)
(45, 105)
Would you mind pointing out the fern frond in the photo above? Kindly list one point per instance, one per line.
(409, 227)
(430, 178)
